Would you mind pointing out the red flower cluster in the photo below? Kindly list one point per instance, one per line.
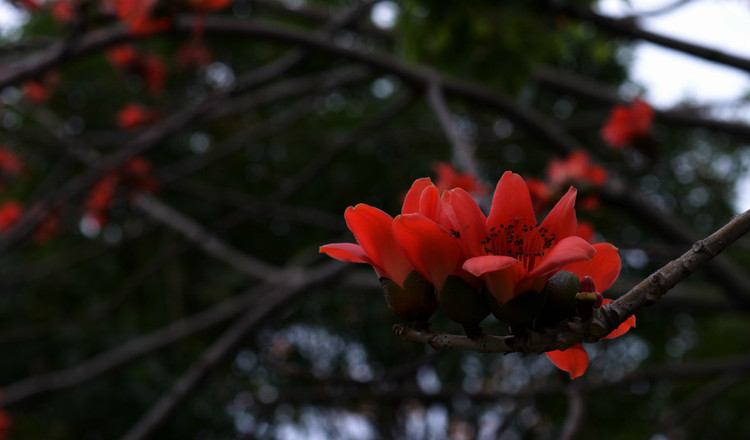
(442, 251)
(448, 178)
(135, 174)
(149, 67)
(5, 425)
(10, 212)
(134, 115)
(577, 169)
(628, 124)
(10, 164)
(40, 90)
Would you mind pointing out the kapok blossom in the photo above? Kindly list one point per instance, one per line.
(134, 115)
(602, 270)
(10, 164)
(578, 169)
(448, 178)
(10, 212)
(628, 124)
(510, 250)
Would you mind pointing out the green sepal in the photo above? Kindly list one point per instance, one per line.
(462, 303)
(413, 303)
(522, 310)
(561, 290)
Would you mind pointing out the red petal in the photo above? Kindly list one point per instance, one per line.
(622, 328)
(479, 266)
(411, 201)
(574, 360)
(568, 250)
(561, 220)
(511, 200)
(346, 252)
(428, 246)
(467, 219)
(603, 268)
(372, 229)
(429, 203)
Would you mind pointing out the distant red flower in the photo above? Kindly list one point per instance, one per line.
(134, 174)
(603, 269)
(10, 164)
(31, 5)
(63, 10)
(6, 423)
(576, 169)
(540, 191)
(154, 73)
(193, 53)
(137, 173)
(124, 56)
(628, 124)
(10, 212)
(448, 178)
(134, 115)
(47, 229)
(586, 231)
(138, 16)
(209, 5)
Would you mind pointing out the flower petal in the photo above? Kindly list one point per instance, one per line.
(561, 220)
(574, 360)
(568, 250)
(372, 229)
(411, 201)
(511, 200)
(428, 246)
(479, 266)
(467, 219)
(346, 252)
(429, 203)
(604, 268)
(622, 328)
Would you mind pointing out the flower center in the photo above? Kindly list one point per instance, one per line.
(520, 240)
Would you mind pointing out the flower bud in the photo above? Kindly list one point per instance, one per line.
(413, 303)
(463, 304)
(561, 290)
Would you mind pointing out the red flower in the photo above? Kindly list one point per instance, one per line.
(154, 73)
(134, 115)
(372, 228)
(209, 5)
(138, 16)
(193, 53)
(603, 269)
(40, 90)
(576, 168)
(63, 10)
(540, 191)
(137, 173)
(628, 124)
(5, 425)
(31, 5)
(124, 56)
(10, 212)
(511, 252)
(449, 178)
(47, 229)
(10, 164)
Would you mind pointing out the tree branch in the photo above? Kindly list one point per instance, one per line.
(605, 319)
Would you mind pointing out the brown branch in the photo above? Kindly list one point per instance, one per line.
(599, 92)
(274, 300)
(626, 28)
(605, 319)
(463, 151)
